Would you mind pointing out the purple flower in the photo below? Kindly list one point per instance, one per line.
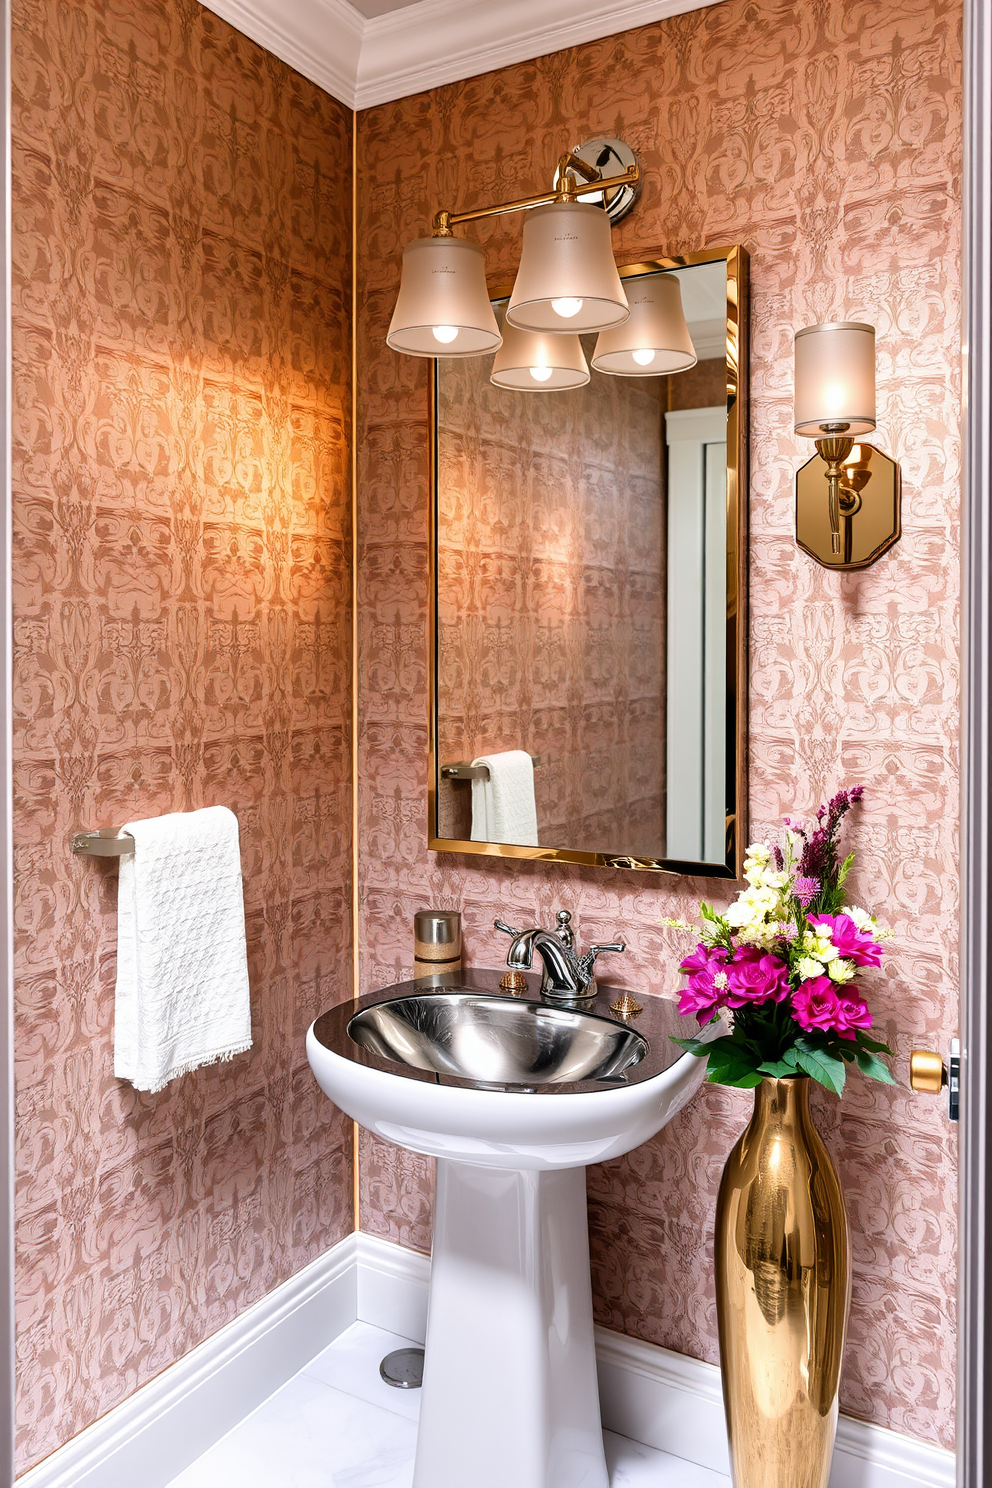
(755, 977)
(820, 1005)
(856, 945)
(806, 890)
(700, 995)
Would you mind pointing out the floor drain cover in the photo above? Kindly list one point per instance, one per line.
(404, 1368)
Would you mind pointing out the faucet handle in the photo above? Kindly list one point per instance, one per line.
(563, 928)
(588, 961)
(506, 929)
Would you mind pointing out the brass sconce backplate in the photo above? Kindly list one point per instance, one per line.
(870, 519)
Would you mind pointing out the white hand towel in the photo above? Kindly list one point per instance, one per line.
(503, 807)
(182, 964)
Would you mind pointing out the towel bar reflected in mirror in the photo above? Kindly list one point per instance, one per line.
(465, 770)
(107, 843)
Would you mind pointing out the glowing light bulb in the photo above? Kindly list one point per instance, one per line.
(566, 308)
(540, 374)
(644, 358)
(444, 334)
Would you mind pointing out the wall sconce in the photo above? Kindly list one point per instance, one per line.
(655, 340)
(847, 496)
(567, 281)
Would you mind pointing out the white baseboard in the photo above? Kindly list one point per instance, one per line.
(149, 1438)
(650, 1394)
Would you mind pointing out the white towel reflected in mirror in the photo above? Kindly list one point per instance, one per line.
(503, 806)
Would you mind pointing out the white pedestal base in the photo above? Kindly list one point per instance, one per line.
(510, 1396)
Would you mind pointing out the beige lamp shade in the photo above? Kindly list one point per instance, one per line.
(567, 280)
(443, 307)
(655, 340)
(835, 379)
(539, 362)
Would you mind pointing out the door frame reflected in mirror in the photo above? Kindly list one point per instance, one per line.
(736, 259)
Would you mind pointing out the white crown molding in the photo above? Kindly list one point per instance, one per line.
(365, 62)
(443, 41)
(322, 39)
(649, 1394)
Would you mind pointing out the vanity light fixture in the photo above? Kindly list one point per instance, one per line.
(531, 362)
(655, 340)
(568, 280)
(847, 496)
(443, 307)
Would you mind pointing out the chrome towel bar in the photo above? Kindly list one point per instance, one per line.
(107, 843)
(465, 770)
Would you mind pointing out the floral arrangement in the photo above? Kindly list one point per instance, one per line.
(785, 961)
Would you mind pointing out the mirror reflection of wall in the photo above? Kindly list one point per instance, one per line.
(582, 601)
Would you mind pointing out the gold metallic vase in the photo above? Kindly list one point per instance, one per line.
(783, 1282)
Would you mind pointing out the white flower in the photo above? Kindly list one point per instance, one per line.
(818, 942)
(719, 980)
(861, 917)
(808, 968)
(841, 971)
(758, 852)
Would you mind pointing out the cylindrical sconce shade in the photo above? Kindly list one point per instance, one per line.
(443, 307)
(529, 361)
(567, 280)
(655, 339)
(835, 379)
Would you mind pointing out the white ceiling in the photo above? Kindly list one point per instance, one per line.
(376, 50)
(371, 8)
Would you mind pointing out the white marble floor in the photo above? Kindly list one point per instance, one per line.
(336, 1425)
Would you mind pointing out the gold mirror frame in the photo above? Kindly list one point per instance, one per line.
(736, 259)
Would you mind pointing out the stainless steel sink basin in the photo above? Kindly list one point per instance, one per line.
(497, 1041)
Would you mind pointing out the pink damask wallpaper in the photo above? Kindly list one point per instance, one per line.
(551, 595)
(824, 137)
(182, 638)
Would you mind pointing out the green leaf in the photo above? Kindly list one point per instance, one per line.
(844, 870)
(732, 1065)
(736, 1082)
(875, 1045)
(826, 1068)
(776, 1069)
(691, 1045)
(874, 1068)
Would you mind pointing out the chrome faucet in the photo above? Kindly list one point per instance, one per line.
(566, 974)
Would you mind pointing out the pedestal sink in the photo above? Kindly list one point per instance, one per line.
(514, 1096)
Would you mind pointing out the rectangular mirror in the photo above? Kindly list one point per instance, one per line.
(588, 586)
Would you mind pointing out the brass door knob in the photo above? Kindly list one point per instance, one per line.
(927, 1074)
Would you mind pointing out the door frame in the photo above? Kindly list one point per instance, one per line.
(974, 1404)
(974, 1412)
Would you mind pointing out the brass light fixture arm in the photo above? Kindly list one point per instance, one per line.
(834, 452)
(567, 190)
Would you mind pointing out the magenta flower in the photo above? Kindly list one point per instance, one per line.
(852, 1013)
(756, 977)
(806, 890)
(701, 996)
(814, 1004)
(854, 944)
(820, 1004)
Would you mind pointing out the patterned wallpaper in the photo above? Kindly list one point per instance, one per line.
(551, 600)
(825, 137)
(182, 639)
